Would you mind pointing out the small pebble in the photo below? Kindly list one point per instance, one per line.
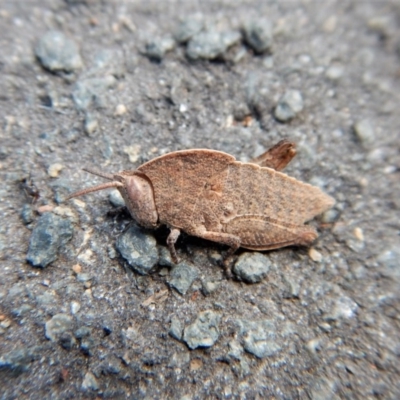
(358, 233)
(58, 53)
(120, 110)
(44, 209)
(182, 277)
(330, 24)
(204, 331)
(54, 170)
(116, 198)
(258, 35)
(252, 267)
(50, 234)
(330, 216)
(157, 48)
(133, 152)
(92, 91)
(139, 249)
(209, 287)
(290, 104)
(91, 124)
(188, 28)
(5, 323)
(27, 214)
(364, 132)
(183, 108)
(90, 382)
(195, 364)
(58, 325)
(335, 72)
(176, 328)
(75, 307)
(315, 255)
(259, 337)
(77, 268)
(211, 44)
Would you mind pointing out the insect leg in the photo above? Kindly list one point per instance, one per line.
(278, 156)
(171, 240)
(230, 240)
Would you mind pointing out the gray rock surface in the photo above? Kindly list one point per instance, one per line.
(209, 45)
(59, 325)
(139, 248)
(258, 35)
(18, 361)
(182, 277)
(260, 337)
(50, 234)
(290, 104)
(188, 27)
(176, 328)
(364, 132)
(90, 92)
(204, 331)
(57, 52)
(158, 47)
(90, 382)
(252, 267)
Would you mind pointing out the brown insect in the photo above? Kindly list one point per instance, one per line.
(207, 193)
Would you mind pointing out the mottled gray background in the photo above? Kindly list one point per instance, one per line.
(322, 323)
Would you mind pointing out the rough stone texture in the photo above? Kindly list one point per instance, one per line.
(176, 328)
(290, 104)
(259, 337)
(258, 35)
(50, 234)
(158, 47)
(90, 382)
(252, 267)
(364, 132)
(211, 44)
(188, 27)
(204, 331)
(17, 361)
(139, 249)
(182, 277)
(91, 92)
(336, 321)
(56, 52)
(57, 326)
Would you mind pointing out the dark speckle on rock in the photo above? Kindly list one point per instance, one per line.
(50, 234)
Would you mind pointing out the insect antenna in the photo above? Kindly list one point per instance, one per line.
(107, 185)
(110, 177)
